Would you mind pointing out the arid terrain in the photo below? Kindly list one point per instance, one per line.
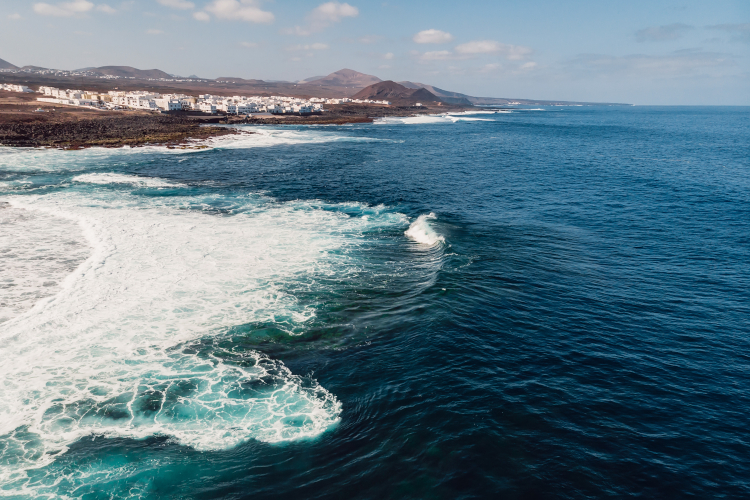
(27, 123)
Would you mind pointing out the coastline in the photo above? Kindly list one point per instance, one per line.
(27, 123)
(111, 132)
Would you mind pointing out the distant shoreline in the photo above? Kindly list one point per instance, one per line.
(25, 122)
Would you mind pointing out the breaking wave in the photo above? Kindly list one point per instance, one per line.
(422, 232)
(128, 340)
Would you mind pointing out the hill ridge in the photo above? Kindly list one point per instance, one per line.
(6, 65)
(396, 93)
(345, 78)
(129, 71)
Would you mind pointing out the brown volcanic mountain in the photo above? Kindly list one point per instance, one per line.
(7, 65)
(128, 71)
(445, 95)
(345, 78)
(396, 93)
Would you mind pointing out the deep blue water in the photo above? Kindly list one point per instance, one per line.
(582, 331)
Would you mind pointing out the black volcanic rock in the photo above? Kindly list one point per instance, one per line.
(47, 130)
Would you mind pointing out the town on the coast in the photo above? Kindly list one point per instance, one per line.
(206, 103)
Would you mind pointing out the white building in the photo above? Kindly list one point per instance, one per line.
(207, 107)
(168, 104)
(15, 88)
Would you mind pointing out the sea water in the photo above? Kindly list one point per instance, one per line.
(548, 302)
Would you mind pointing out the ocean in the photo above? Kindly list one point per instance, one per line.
(543, 302)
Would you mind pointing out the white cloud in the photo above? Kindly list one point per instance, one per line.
(333, 12)
(662, 33)
(489, 68)
(313, 46)
(528, 65)
(512, 52)
(479, 47)
(680, 63)
(516, 52)
(240, 10)
(177, 4)
(154, 32)
(15, 16)
(433, 36)
(201, 16)
(64, 9)
(389, 55)
(437, 55)
(103, 7)
(368, 39)
(322, 17)
(249, 45)
(739, 32)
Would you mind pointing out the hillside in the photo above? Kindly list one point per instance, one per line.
(128, 71)
(396, 93)
(7, 65)
(444, 95)
(345, 78)
(233, 79)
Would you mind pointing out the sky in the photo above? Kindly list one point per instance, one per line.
(641, 52)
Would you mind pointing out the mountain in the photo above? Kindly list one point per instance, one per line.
(396, 93)
(232, 79)
(312, 79)
(127, 71)
(7, 65)
(345, 78)
(445, 95)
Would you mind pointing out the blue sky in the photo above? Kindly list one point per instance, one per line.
(642, 52)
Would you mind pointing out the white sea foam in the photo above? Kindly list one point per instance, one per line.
(121, 349)
(133, 180)
(430, 119)
(37, 252)
(53, 160)
(422, 232)
(263, 136)
(470, 113)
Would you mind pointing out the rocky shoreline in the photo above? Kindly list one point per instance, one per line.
(74, 128)
(106, 131)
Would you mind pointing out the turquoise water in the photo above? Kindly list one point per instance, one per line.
(537, 303)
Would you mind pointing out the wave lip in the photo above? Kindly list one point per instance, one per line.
(421, 231)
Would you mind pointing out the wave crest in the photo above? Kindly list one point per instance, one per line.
(422, 232)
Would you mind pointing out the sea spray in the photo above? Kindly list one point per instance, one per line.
(421, 231)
